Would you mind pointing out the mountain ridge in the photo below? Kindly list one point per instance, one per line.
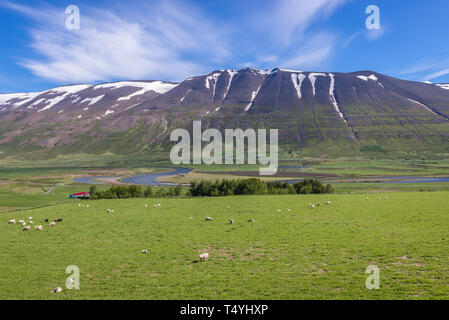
(320, 111)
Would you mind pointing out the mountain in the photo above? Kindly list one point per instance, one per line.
(320, 114)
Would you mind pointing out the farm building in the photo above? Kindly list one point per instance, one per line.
(82, 195)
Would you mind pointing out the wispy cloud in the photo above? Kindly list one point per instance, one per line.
(109, 47)
(427, 70)
(172, 40)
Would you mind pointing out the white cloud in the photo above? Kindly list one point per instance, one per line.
(313, 53)
(145, 46)
(289, 19)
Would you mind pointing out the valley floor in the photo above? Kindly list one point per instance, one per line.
(301, 253)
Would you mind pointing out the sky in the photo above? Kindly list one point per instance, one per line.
(174, 39)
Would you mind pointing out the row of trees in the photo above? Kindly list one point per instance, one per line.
(134, 191)
(255, 186)
(251, 186)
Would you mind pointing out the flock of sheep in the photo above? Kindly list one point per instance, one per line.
(30, 222)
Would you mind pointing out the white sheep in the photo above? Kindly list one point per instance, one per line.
(58, 289)
(208, 219)
(109, 211)
(204, 256)
(144, 251)
(26, 228)
(312, 206)
(231, 221)
(30, 218)
(21, 221)
(38, 228)
(30, 222)
(146, 205)
(52, 224)
(12, 221)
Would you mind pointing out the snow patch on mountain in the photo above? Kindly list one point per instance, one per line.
(312, 78)
(297, 80)
(424, 106)
(92, 100)
(443, 85)
(253, 97)
(332, 97)
(156, 86)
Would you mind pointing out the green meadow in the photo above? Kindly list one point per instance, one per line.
(303, 253)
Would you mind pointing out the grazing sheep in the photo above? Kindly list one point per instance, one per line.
(57, 290)
(366, 198)
(231, 221)
(38, 228)
(24, 224)
(30, 222)
(58, 220)
(251, 220)
(109, 211)
(157, 205)
(208, 219)
(378, 198)
(204, 256)
(289, 210)
(12, 221)
(26, 228)
(30, 218)
(318, 204)
(87, 206)
(21, 221)
(46, 220)
(146, 205)
(279, 210)
(144, 251)
(79, 204)
(52, 224)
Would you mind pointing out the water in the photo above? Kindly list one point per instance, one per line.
(151, 179)
(147, 179)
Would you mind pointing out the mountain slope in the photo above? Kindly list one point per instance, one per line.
(319, 113)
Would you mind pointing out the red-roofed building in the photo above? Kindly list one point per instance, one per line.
(80, 195)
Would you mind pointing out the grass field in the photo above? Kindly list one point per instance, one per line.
(299, 254)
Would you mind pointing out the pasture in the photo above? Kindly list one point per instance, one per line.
(303, 253)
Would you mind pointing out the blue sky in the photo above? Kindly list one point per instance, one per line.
(172, 40)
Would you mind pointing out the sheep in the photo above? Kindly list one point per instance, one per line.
(251, 220)
(144, 251)
(289, 210)
(58, 220)
(109, 211)
(208, 219)
(204, 256)
(24, 224)
(26, 228)
(312, 206)
(146, 205)
(157, 205)
(46, 220)
(21, 221)
(327, 203)
(79, 204)
(378, 198)
(38, 228)
(57, 290)
(52, 224)
(279, 210)
(12, 221)
(231, 221)
(318, 204)
(30, 218)
(30, 222)
(367, 198)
